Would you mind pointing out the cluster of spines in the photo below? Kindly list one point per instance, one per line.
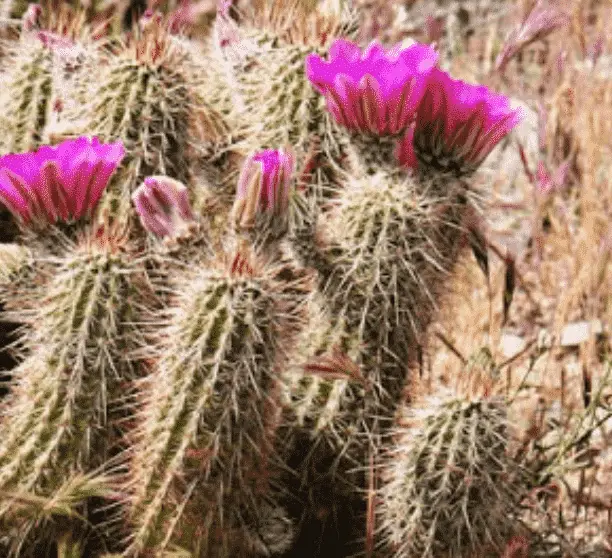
(74, 374)
(388, 250)
(147, 99)
(451, 487)
(27, 94)
(277, 104)
(212, 404)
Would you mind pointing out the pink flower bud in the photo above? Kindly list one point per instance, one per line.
(31, 16)
(162, 204)
(263, 186)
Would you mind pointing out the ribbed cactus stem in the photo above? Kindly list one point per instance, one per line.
(146, 96)
(303, 239)
(387, 250)
(324, 375)
(393, 248)
(65, 390)
(211, 405)
(26, 95)
(450, 484)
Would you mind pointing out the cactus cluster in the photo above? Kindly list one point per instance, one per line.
(192, 353)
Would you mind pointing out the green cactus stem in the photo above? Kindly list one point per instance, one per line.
(26, 95)
(146, 95)
(210, 407)
(450, 484)
(58, 418)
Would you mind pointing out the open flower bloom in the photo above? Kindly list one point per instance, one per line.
(63, 182)
(162, 204)
(377, 91)
(263, 185)
(458, 124)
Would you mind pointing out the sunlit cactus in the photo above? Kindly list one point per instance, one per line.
(73, 378)
(275, 102)
(212, 402)
(146, 97)
(28, 94)
(12, 258)
(383, 257)
(51, 45)
(451, 486)
(225, 257)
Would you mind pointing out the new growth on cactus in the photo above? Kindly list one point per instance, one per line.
(147, 96)
(162, 204)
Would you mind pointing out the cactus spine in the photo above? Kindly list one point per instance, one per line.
(27, 95)
(212, 406)
(147, 98)
(71, 382)
(393, 247)
(450, 484)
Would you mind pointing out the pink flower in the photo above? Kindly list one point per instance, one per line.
(162, 204)
(377, 91)
(458, 124)
(263, 185)
(63, 182)
(404, 151)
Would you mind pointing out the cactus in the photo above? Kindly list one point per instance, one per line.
(72, 381)
(146, 97)
(264, 60)
(13, 257)
(210, 403)
(285, 298)
(28, 93)
(451, 486)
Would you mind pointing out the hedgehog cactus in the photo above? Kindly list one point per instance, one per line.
(73, 374)
(212, 404)
(451, 487)
(285, 298)
(390, 239)
(275, 103)
(147, 98)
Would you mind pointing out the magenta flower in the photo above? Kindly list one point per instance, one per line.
(378, 91)
(404, 151)
(162, 204)
(263, 185)
(458, 124)
(63, 182)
